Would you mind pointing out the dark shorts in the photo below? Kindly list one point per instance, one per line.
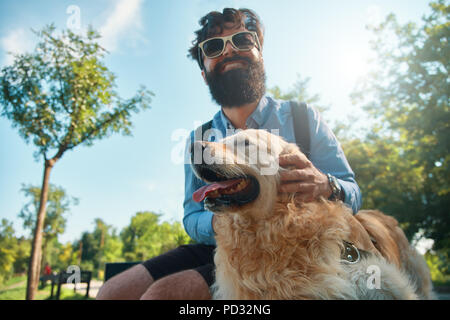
(199, 257)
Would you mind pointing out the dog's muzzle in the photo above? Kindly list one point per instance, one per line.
(223, 189)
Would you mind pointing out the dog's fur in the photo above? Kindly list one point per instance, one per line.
(278, 248)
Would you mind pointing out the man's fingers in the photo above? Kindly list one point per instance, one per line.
(297, 187)
(297, 159)
(294, 175)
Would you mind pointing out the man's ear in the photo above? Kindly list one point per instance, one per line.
(204, 76)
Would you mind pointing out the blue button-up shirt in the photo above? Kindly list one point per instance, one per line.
(326, 155)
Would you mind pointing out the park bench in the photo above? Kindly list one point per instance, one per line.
(63, 277)
(45, 278)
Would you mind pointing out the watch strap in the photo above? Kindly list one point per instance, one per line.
(336, 189)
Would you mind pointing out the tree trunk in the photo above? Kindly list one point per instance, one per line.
(34, 266)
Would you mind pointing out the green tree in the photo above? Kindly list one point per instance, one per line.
(8, 246)
(299, 92)
(387, 182)
(67, 256)
(22, 255)
(57, 208)
(98, 247)
(113, 248)
(145, 237)
(106, 244)
(87, 248)
(408, 96)
(59, 97)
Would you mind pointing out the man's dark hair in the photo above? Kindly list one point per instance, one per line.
(213, 24)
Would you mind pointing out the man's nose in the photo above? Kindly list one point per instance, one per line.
(228, 48)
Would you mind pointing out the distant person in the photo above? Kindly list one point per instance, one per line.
(47, 269)
(46, 275)
(228, 49)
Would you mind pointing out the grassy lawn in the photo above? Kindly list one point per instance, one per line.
(15, 289)
(13, 281)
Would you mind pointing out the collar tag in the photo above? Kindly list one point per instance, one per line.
(350, 254)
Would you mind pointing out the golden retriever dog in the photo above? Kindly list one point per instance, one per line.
(272, 246)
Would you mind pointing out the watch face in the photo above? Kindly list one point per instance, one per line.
(335, 183)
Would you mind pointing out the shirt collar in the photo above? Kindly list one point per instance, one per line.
(256, 119)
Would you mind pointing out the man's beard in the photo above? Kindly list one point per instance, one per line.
(239, 86)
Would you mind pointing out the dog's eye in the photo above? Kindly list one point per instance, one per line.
(246, 142)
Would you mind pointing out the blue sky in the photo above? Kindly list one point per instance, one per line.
(148, 41)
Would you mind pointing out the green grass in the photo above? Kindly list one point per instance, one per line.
(14, 280)
(19, 292)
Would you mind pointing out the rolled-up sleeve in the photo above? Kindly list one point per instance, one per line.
(328, 156)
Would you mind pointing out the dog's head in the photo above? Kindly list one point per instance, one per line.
(241, 170)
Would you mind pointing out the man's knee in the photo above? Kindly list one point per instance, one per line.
(184, 285)
(127, 285)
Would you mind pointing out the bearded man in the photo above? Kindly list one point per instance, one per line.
(228, 49)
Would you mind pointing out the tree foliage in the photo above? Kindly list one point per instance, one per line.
(8, 250)
(408, 96)
(299, 92)
(388, 182)
(96, 248)
(61, 96)
(58, 207)
(145, 237)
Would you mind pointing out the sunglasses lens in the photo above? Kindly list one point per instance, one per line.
(213, 47)
(244, 41)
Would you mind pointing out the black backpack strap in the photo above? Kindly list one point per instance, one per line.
(199, 135)
(200, 131)
(301, 126)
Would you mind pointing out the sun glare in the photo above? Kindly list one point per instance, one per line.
(352, 64)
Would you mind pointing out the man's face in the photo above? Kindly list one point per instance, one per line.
(236, 77)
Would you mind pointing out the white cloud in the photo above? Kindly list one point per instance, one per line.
(125, 21)
(16, 41)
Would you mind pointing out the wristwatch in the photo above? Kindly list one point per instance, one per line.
(335, 188)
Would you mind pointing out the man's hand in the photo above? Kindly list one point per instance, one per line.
(305, 179)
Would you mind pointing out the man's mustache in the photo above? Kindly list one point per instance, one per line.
(220, 65)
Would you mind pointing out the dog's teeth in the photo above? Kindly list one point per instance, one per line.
(215, 193)
(236, 188)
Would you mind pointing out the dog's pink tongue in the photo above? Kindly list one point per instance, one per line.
(201, 193)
